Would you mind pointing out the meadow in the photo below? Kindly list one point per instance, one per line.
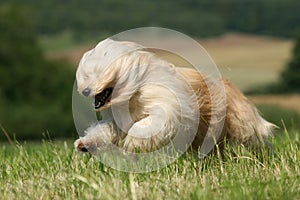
(53, 170)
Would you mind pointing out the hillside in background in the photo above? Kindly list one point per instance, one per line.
(246, 60)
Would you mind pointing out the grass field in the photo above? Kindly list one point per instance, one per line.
(53, 170)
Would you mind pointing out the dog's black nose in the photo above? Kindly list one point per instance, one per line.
(83, 149)
(86, 92)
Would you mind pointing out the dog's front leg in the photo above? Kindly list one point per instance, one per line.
(99, 135)
(149, 134)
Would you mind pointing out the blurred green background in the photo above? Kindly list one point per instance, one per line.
(41, 42)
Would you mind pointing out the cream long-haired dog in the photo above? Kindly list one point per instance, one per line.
(145, 101)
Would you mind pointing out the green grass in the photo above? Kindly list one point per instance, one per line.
(53, 170)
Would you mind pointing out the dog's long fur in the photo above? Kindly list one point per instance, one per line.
(160, 99)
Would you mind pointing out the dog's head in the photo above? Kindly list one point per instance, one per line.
(112, 67)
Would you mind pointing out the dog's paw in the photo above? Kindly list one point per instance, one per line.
(79, 146)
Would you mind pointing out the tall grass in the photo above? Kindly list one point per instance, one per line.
(53, 170)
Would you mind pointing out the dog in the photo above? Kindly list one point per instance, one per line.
(145, 101)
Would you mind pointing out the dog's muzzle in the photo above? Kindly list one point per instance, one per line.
(103, 97)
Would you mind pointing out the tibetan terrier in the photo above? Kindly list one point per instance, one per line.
(146, 101)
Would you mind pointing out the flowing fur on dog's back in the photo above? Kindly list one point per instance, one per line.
(243, 123)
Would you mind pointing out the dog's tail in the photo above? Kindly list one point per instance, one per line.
(243, 121)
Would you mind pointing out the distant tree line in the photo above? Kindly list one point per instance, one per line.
(198, 18)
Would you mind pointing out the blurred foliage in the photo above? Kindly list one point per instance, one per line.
(35, 93)
(193, 17)
(291, 75)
